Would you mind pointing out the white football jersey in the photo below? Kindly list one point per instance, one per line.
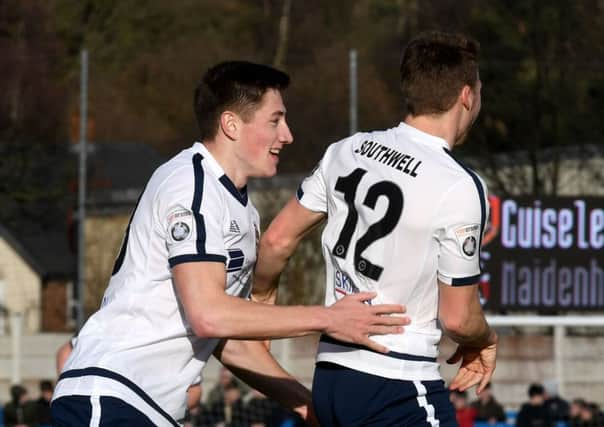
(139, 346)
(401, 212)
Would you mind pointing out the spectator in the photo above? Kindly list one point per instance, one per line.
(557, 406)
(575, 409)
(194, 408)
(590, 416)
(228, 410)
(534, 413)
(487, 408)
(225, 379)
(42, 404)
(597, 414)
(258, 408)
(464, 413)
(233, 406)
(17, 412)
(282, 417)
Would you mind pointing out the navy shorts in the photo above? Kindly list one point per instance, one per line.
(348, 398)
(80, 411)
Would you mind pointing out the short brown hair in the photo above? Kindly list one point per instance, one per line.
(236, 85)
(434, 68)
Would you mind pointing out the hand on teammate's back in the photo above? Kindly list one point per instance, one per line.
(354, 321)
(308, 415)
(477, 366)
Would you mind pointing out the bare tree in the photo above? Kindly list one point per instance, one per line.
(283, 37)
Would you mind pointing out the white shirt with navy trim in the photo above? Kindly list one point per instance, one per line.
(402, 213)
(190, 211)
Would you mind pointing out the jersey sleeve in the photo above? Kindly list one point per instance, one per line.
(461, 220)
(312, 192)
(190, 217)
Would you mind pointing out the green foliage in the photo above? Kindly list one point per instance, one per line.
(541, 69)
(539, 80)
(32, 123)
(543, 88)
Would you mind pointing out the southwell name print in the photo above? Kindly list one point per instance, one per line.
(388, 156)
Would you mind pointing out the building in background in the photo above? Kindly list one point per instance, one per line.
(117, 174)
(20, 284)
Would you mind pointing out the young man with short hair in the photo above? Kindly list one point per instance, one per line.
(405, 220)
(183, 275)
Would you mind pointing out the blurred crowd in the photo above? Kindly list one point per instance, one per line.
(230, 403)
(544, 408)
(23, 411)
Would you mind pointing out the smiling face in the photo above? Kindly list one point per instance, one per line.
(263, 136)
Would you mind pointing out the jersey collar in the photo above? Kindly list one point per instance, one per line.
(422, 137)
(239, 195)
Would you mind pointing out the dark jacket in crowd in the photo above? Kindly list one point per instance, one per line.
(488, 410)
(534, 416)
(558, 407)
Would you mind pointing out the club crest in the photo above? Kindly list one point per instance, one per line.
(469, 246)
(180, 231)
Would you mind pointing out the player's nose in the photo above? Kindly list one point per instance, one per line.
(285, 134)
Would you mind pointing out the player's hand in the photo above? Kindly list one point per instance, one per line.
(353, 321)
(308, 415)
(477, 367)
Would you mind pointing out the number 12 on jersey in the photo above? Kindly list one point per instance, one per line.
(348, 186)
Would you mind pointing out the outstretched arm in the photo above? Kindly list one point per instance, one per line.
(462, 319)
(214, 314)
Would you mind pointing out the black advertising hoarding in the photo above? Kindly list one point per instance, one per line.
(544, 254)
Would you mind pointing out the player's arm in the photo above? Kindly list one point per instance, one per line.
(278, 243)
(461, 315)
(214, 314)
(460, 219)
(251, 362)
(193, 395)
(62, 355)
(462, 319)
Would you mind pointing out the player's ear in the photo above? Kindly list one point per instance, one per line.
(230, 124)
(466, 97)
